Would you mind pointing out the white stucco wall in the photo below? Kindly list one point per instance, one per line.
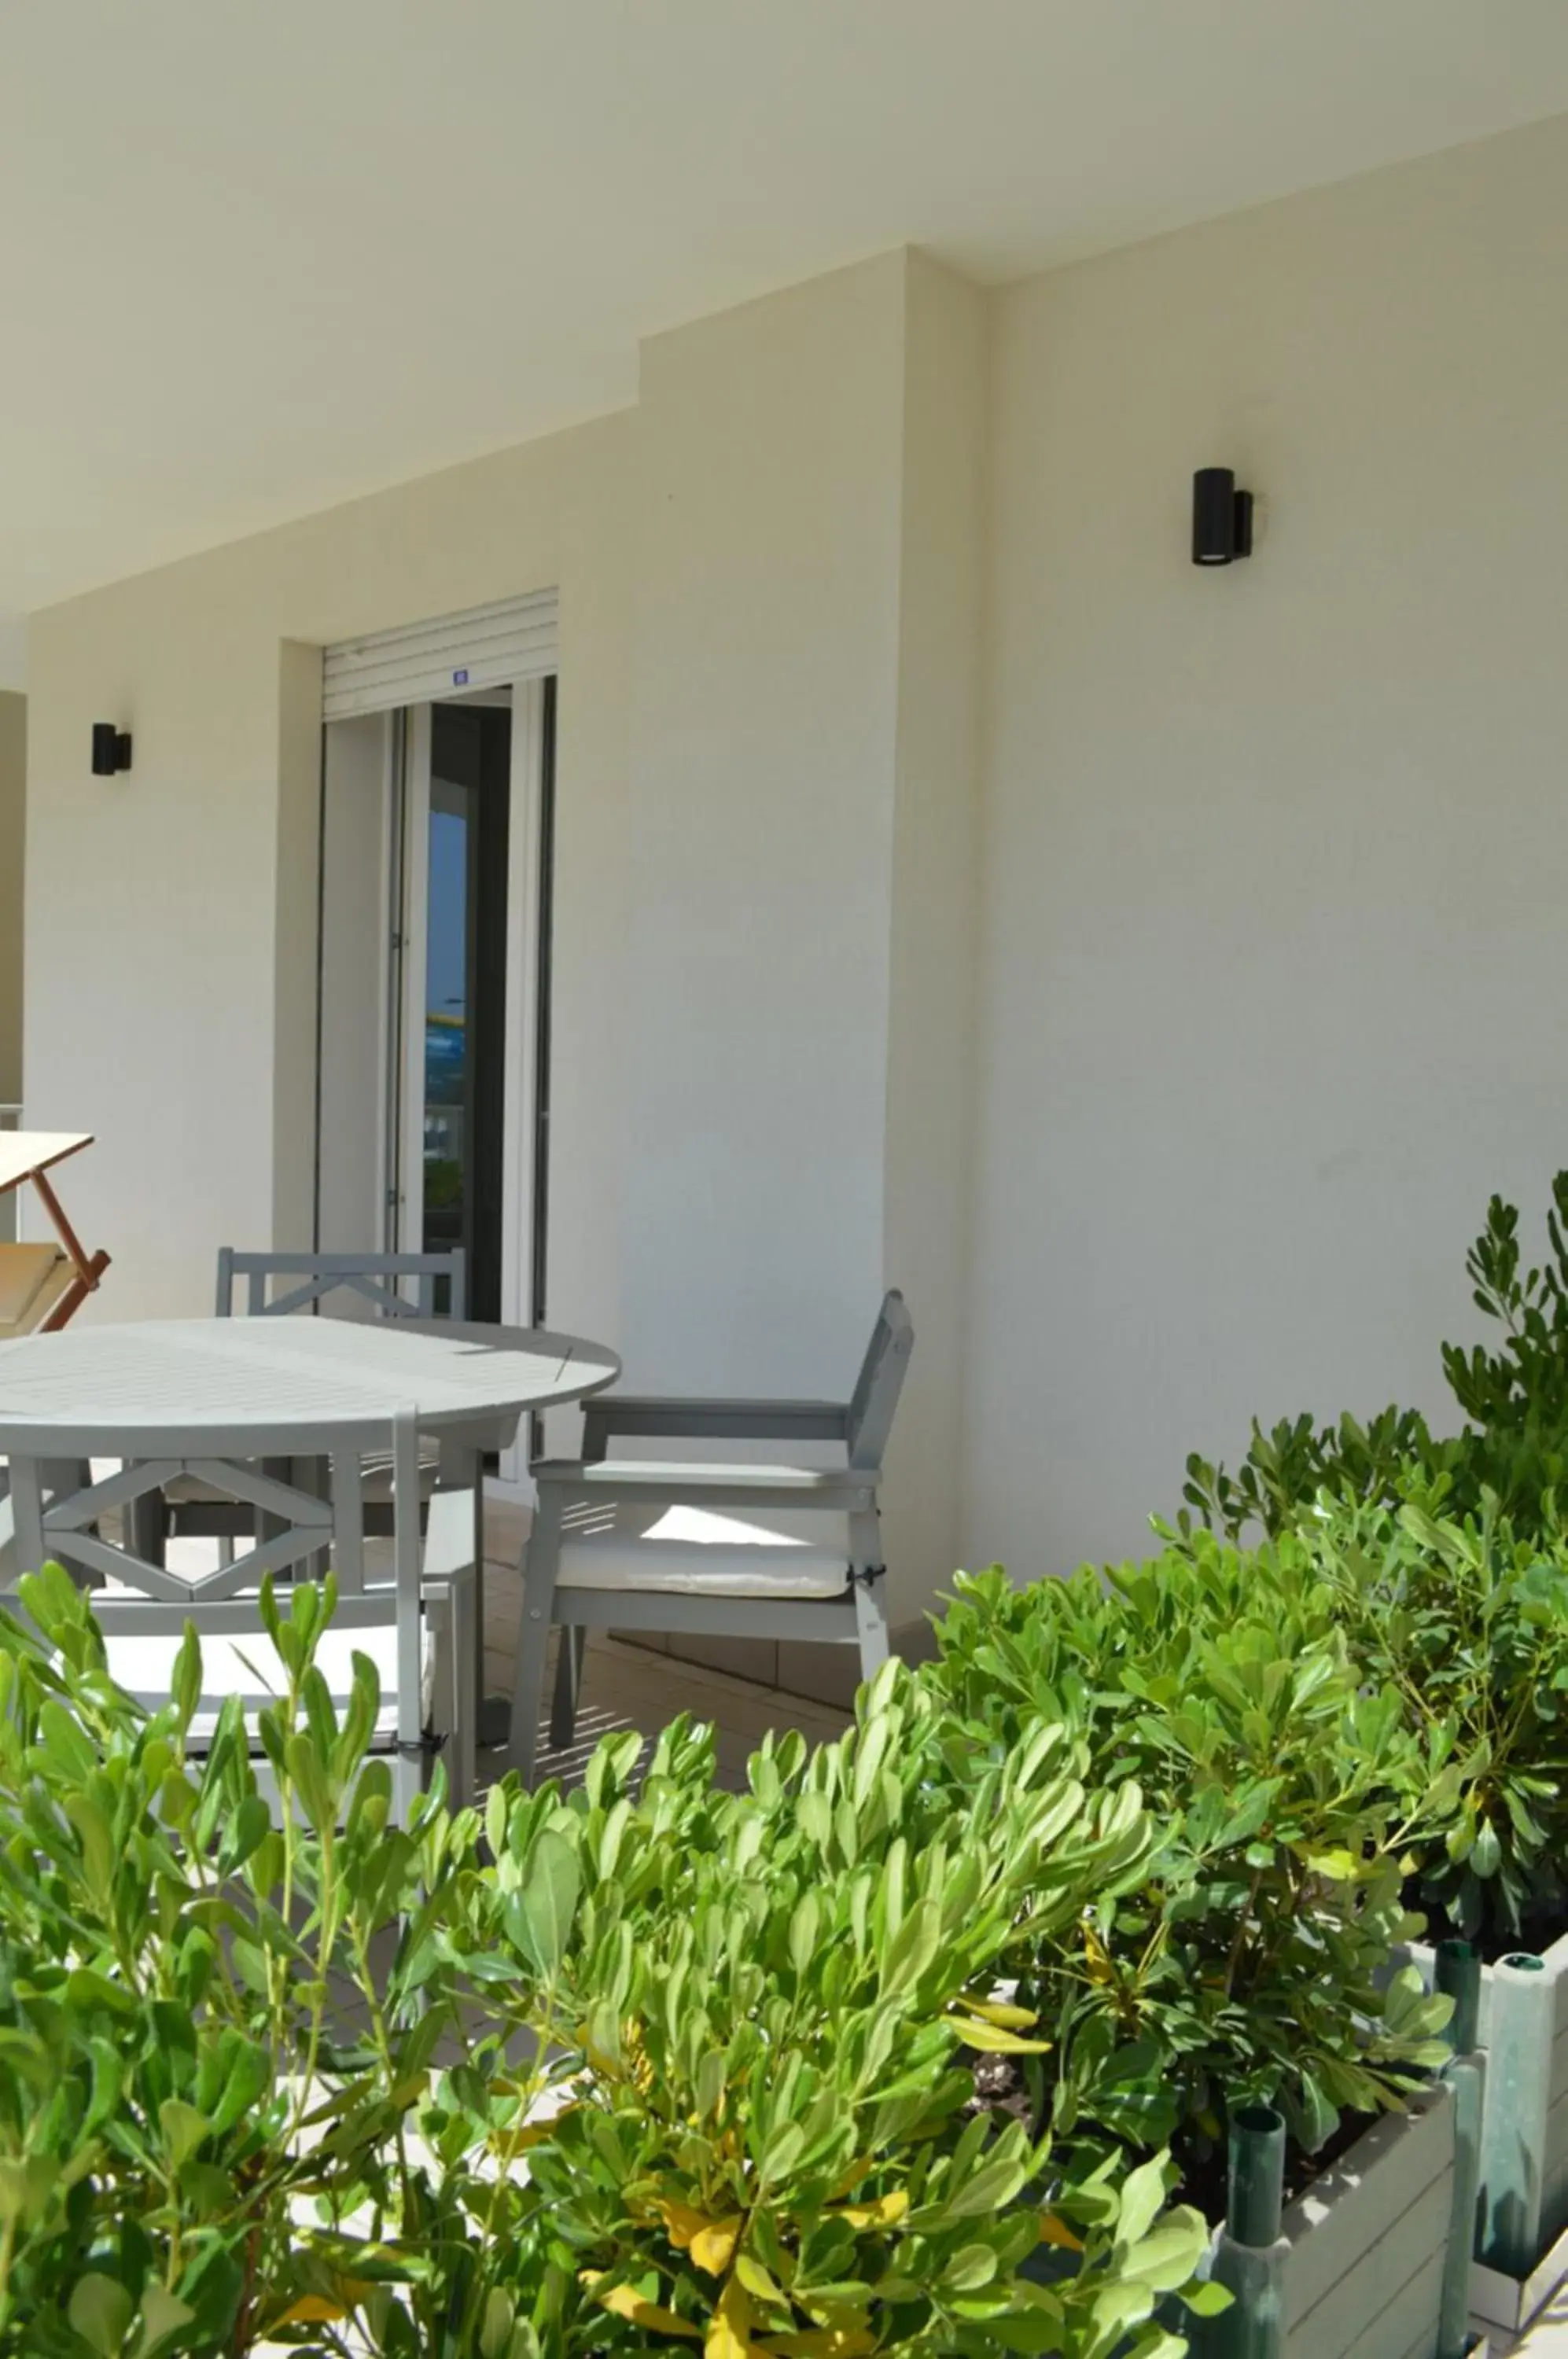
(13, 832)
(170, 957)
(1275, 964)
(760, 826)
(765, 771)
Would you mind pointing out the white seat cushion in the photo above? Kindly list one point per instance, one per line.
(686, 1551)
(681, 1474)
(248, 1666)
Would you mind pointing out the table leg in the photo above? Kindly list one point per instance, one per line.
(463, 1468)
(142, 1526)
(314, 1477)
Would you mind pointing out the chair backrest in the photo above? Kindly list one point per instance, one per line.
(376, 1278)
(56, 1512)
(881, 1380)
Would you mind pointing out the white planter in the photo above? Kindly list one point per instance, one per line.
(1358, 2270)
(1362, 2278)
(1524, 2141)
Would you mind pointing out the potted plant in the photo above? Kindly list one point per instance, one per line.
(1251, 1963)
(1449, 1571)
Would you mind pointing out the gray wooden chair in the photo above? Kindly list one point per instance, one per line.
(414, 1616)
(380, 1280)
(762, 1551)
(396, 1286)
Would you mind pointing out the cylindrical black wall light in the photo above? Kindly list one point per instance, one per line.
(1222, 517)
(111, 749)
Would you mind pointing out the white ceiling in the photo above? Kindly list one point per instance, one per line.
(259, 255)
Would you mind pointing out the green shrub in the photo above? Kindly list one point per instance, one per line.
(1467, 1621)
(1248, 1960)
(1512, 1449)
(770, 2137)
(624, 2072)
(1449, 1570)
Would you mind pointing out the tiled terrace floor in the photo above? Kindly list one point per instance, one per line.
(1547, 2339)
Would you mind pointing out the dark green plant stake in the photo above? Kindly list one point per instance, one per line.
(1255, 2194)
(1250, 2256)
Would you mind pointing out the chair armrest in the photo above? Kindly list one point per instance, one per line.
(730, 1486)
(709, 1420)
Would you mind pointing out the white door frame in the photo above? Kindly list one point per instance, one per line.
(524, 897)
(413, 824)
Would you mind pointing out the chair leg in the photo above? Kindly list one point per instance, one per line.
(568, 1686)
(407, 1785)
(540, 1560)
(869, 1581)
(27, 1513)
(461, 1469)
(464, 1736)
(408, 1777)
(871, 1618)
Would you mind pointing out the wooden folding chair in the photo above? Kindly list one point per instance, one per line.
(43, 1285)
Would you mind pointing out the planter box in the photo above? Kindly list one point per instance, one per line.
(1500, 2300)
(1358, 2270)
(1363, 2276)
(1521, 2247)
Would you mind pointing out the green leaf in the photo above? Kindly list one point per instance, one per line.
(1143, 2199)
(548, 1899)
(913, 1947)
(186, 1686)
(163, 2316)
(495, 2326)
(803, 1933)
(183, 2129)
(246, 1831)
(1166, 2258)
(1318, 2116)
(101, 2310)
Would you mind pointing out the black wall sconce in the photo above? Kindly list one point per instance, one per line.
(111, 749)
(1222, 517)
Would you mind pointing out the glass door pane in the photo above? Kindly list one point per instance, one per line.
(464, 998)
(448, 1075)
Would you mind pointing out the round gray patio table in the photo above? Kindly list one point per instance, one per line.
(124, 1389)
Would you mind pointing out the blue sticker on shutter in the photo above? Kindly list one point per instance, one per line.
(460, 679)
